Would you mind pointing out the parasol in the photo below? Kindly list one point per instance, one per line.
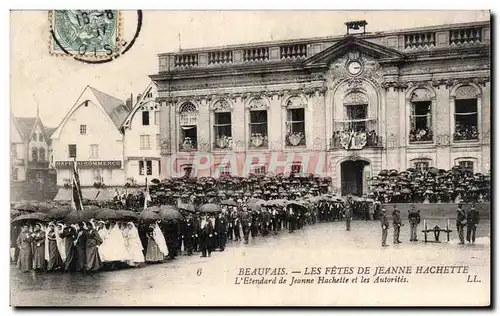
(210, 208)
(77, 217)
(128, 214)
(149, 216)
(187, 207)
(58, 213)
(107, 214)
(37, 216)
(169, 214)
(26, 207)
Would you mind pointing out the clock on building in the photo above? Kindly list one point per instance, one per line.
(354, 67)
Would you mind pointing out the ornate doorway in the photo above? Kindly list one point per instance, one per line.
(352, 177)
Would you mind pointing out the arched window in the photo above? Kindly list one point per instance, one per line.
(466, 114)
(258, 123)
(356, 112)
(295, 122)
(421, 116)
(188, 122)
(41, 154)
(222, 124)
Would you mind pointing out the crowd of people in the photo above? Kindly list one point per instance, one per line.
(420, 134)
(186, 216)
(430, 186)
(465, 132)
(97, 238)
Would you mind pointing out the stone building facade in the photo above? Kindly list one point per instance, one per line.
(346, 107)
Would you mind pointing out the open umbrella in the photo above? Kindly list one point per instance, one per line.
(277, 202)
(187, 207)
(58, 213)
(210, 208)
(26, 207)
(37, 216)
(77, 217)
(128, 214)
(107, 214)
(170, 214)
(149, 216)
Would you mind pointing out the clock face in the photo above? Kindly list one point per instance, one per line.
(354, 68)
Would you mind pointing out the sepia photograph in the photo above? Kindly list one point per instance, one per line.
(250, 158)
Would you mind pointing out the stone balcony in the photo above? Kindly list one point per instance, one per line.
(408, 41)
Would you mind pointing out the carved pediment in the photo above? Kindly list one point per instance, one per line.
(352, 44)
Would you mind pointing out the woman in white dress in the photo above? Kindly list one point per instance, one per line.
(133, 245)
(113, 247)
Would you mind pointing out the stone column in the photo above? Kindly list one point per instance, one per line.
(391, 129)
(442, 120)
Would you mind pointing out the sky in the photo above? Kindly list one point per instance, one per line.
(54, 83)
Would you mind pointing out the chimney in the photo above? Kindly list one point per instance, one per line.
(138, 97)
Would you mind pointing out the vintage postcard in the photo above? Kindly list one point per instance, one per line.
(250, 158)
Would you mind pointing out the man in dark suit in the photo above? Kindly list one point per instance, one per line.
(206, 235)
(472, 221)
(461, 222)
(220, 231)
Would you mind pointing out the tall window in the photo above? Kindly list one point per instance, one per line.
(15, 175)
(149, 167)
(222, 127)
(295, 127)
(466, 119)
(421, 165)
(83, 129)
(13, 150)
(96, 174)
(145, 118)
(258, 127)
(34, 137)
(42, 154)
(466, 113)
(159, 167)
(94, 151)
(225, 170)
(420, 121)
(188, 122)
(356, 116)
(40, 137)
(145, 142)
(157, 117)
(72, 150)
(34, 154)
(466, 164)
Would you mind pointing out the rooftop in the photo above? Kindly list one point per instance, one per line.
(404, 40)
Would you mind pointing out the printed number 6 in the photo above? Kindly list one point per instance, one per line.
(198, 273)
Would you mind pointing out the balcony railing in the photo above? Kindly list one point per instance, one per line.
(351, 140)
(466, 36)
(430, 38)
(256, 54)
(293, 51)
(220, 57)
(420, 40)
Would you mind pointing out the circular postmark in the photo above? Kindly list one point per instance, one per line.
(93, 36)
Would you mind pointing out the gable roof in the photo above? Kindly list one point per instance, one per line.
(140, 101)
(115, 108)
(25, 126)
(349, 43)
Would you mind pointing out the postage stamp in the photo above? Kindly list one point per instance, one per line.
(86, 34)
